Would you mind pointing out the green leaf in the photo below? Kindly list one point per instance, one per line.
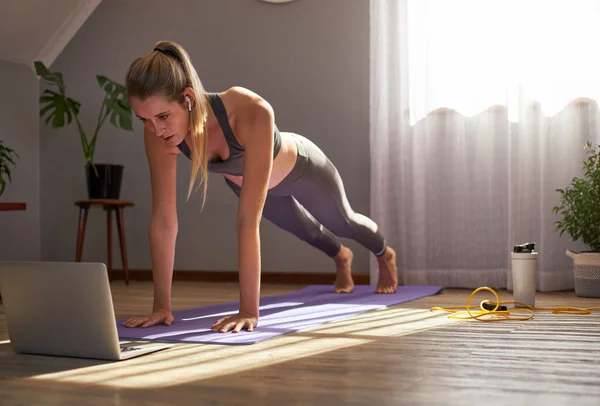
(58, 108)
(101, 80)
(579, 203)
(116, 103)
(6, 161)
(53, 78)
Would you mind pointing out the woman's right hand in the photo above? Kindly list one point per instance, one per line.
(156, 317)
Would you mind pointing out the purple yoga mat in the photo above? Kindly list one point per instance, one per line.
(279, 314)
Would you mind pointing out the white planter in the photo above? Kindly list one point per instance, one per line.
(586, 273)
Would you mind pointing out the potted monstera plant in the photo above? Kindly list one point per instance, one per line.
(59, 110)
(579, 208)
(7, 159)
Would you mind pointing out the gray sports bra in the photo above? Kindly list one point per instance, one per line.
(234, 165)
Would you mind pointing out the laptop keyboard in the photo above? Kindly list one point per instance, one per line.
(129, 348)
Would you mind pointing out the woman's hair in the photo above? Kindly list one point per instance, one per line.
(167, 71)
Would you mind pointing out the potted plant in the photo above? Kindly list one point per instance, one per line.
(7, 157)
(579, 208)
(59, 110)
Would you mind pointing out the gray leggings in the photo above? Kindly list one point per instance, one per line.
(312, 204)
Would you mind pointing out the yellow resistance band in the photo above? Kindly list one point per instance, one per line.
(465, 313)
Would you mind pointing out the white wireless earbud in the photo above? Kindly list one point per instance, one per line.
(189, 103)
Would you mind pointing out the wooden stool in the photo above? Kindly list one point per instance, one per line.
(109, 205)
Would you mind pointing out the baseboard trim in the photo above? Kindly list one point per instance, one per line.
(283, 278)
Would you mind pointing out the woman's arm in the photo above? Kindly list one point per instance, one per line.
(254, 130)
(257, 172)
(162, 230)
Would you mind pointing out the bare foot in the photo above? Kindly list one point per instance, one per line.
(388, 273)
(343, 271)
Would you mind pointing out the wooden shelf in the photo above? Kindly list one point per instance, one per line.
(12, 206)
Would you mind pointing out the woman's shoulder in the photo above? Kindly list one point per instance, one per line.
(245, 109)
(239, 99)
(239, 92)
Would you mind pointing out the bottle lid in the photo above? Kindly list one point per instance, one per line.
(524, 248)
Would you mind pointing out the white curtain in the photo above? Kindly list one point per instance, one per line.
(480, 109)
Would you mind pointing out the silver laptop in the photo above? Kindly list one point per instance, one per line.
(64, 309)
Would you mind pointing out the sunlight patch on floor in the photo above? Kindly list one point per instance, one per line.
(169, 368)
(387, 323)
(187, 363)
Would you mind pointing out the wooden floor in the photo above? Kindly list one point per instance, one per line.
(406, 355)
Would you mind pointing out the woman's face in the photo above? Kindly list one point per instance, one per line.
(166, 119)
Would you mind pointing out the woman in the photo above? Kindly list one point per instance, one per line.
(282, 176)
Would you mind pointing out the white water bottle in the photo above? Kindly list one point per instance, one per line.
(524, 266)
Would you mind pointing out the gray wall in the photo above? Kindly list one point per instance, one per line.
(20, 230)
(309, 59)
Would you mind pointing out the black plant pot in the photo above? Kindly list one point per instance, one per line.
(107, 185)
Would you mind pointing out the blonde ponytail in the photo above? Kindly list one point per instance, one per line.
(168, 70)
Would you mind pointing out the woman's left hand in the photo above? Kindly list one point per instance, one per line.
(236, 322)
